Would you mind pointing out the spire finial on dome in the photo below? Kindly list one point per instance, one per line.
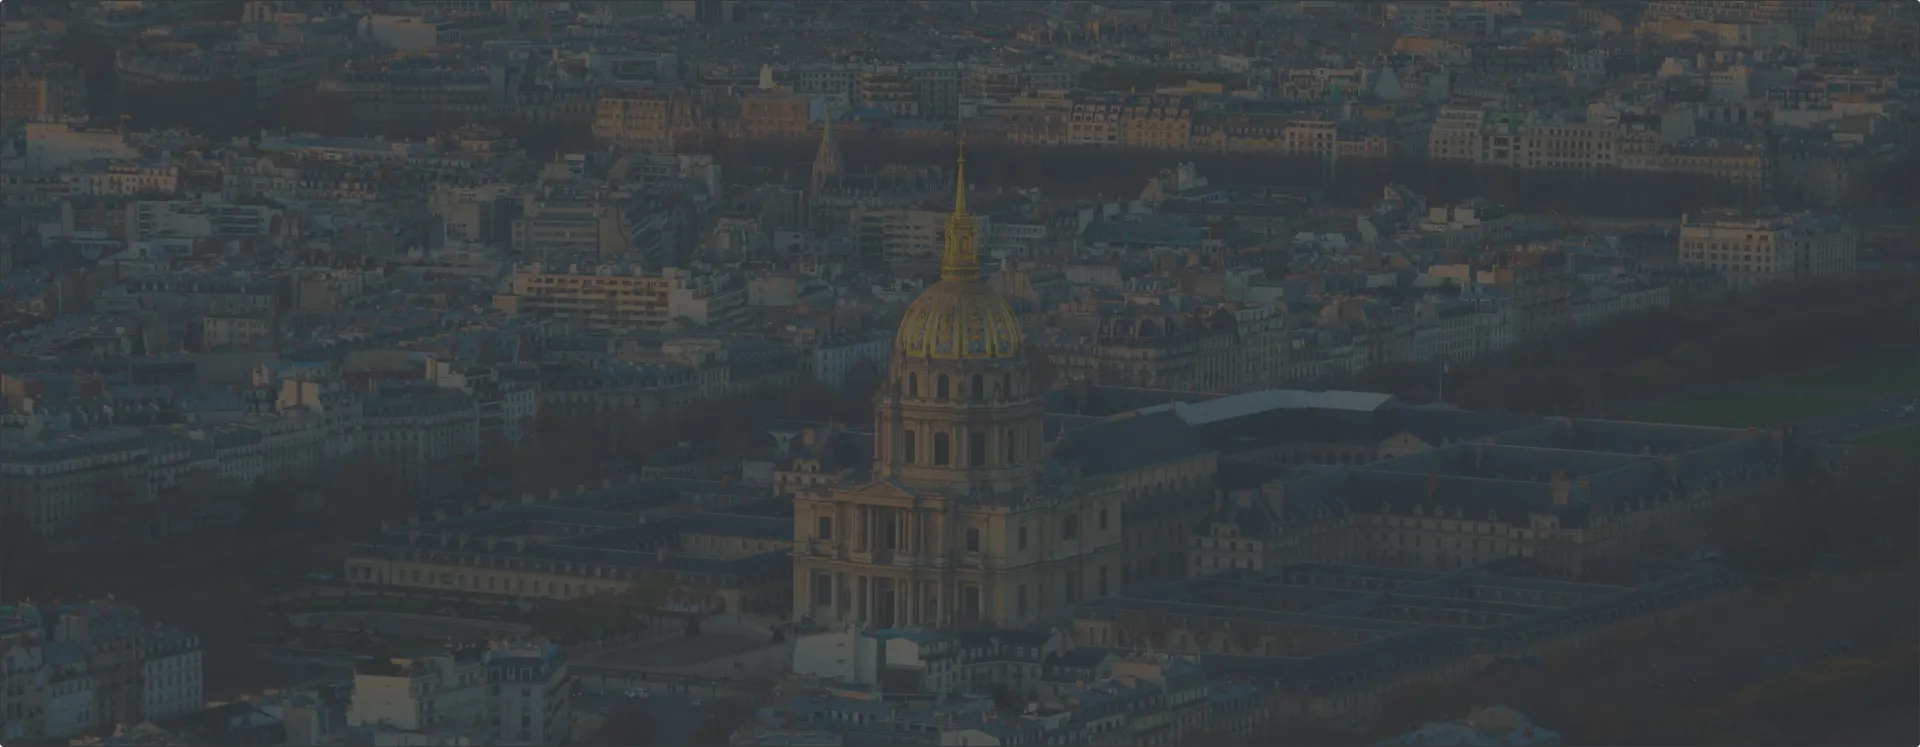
(960, 180)
(961, 258)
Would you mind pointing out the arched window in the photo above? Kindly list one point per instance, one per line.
(909, 452)
(940, 387)
(979, 389)
(942, 448)
(1013, 446)
(1006, 384)
(913, 385)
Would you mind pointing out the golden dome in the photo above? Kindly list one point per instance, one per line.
(959, 317)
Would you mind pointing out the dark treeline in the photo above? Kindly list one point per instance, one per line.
(1121, 173)
(1641, 358)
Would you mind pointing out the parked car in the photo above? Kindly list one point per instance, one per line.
(637, 692)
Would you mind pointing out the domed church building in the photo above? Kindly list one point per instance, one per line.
(962, 524)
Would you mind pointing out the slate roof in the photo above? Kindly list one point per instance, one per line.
(1128, 443)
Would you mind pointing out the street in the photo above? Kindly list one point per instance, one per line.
(1844, 426)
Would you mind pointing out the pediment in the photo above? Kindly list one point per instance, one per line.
(880, 489)
(1405, 440)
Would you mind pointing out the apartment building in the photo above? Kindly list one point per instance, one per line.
(417, 426)
(1161, 121)
(114, 643)
(907, 238)
(1753, 249)
(776, 116)
(647, 118)
(622, 294)
(1043, 118)
(616, 539)
(518, 692)
(414, 93)
(60, 484)
(41, 92)
(24, 675)
(172, 673)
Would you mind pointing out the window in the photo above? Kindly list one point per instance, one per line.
(1103, 581)
(978, 390)
(913, 385)
(1020, 600)
(1006, 384)
(941, 450)
(826, 528)
(1068, 590)
(908, 448)
(940, 387)
(1070, 527)
(1023, 538)
(973, 539)
(1103, 519)
(977, 449)
(823, 590)
(1013, 449)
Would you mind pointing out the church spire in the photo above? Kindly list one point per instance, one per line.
(826, 161)
(960, 260)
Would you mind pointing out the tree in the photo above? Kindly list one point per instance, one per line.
(1656, 543)
(363, 495)
(863, 380)
(625, 727)
(20, 553)
(723, 718)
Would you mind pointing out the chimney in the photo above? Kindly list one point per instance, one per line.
(806, 437)
(1560, 488)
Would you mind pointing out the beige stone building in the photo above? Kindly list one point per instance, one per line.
(961, 523)
(1753, 249)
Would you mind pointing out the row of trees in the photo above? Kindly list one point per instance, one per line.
(1121, 173)
(1655, 355)
(1686, 682)
(569, 450)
